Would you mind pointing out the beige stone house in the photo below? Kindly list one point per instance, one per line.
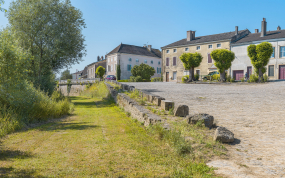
(91, 68)
(173, 69)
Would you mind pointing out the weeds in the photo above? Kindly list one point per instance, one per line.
(171, 111)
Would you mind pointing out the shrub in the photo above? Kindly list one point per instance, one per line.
(171, 111)
(156, 79)
(126, 80)
(196, 77)
(229, 78)
(185, 78)
(97, 90)
(265, 78)
(242, 79)
(216, 77)
(136, 79)
(232, 80)
(253, 78)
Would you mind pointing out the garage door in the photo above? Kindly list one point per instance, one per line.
(238, 74)
(282, 72)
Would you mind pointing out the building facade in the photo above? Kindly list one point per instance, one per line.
(77, 75)
(242, 67)
(127, 56)
(91, 68)
(173, 69)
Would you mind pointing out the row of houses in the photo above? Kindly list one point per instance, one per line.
(236, 41)
(168, 64)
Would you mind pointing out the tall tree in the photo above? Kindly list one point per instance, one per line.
(143, 70)
(51, 31)
(65, 75)
(190, 61)
(259, 56)
(223, 60)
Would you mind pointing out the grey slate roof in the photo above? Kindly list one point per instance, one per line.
(203, 39)
(256, 36)
(131, 49)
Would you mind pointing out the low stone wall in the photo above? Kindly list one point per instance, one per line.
(74, 90)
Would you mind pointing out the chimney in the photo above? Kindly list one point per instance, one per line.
(256, 31)
(278, 28)
(236, 32)
(193, 35)
(102, 58)
(263, 28)
(189, 35)
(98, 58)
(149, 47)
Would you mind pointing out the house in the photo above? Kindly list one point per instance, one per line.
(173, 69)
(242, 63)
(91, 68)
(77, 75)
(84, 73)
(129, 55)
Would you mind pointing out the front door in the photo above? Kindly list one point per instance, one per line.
(167, 76)
(282, 72)
(249, 71)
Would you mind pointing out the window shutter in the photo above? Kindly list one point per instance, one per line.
(167, 61)
(209, 58)
(174, 61)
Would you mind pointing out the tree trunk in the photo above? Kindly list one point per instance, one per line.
(260, 75)
(190, 75)
(223, 76)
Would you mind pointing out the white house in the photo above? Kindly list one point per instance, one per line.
(276, 66)
(129, 55)
(77, 75)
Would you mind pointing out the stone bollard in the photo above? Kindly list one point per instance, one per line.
(157, 100)
(223, 135)
(167, 105)
(181, 110)
(207, 119)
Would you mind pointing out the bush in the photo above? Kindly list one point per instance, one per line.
(126, 80)
(232, 80)
(216, 77)
(196, 77)
(253, 78)
(242, 79)
(97, 90)
(185, 78)
(156, 79)
(228, 78)
(136, 79)
(265, 78)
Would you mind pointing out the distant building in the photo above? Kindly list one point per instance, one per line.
(77, 75)
(129, 55)
(91, 68)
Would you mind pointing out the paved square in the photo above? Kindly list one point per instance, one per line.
(255, 113)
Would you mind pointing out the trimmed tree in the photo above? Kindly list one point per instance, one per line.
(118, 72)
(259, 56)
(223, 60)
(190, 61)
(100, 71)
(143, 70)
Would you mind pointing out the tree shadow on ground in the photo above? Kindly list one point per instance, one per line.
(17, 173)
(151, 90)
(9, 154)
(68, 126)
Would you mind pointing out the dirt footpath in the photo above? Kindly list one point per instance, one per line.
(255, 113)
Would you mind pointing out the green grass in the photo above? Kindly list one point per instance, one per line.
(98, 140)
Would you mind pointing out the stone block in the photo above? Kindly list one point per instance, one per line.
(181, 110)
(157, 100)
(207, 119)
(223, 135)
(151, 97)
(131, 88)
(166, 104)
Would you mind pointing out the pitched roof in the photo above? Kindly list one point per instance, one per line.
(256, 36)
(95, 62)
(131, 49)
(203, 39)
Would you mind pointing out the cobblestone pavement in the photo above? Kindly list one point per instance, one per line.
(255, 113)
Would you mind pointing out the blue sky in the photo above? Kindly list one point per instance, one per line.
(161, 22)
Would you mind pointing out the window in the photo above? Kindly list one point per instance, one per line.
(158, 62)
(174, 75)
(174, 61)
(159, 70)
(273, 54)
(108, 59)
(271, 70)
(282, 51)
(130, 59)
(198, 48)
(111, 59)
(174, 50)
(151, 61)
(115, 58)
(209, 58)
(219, 45)
(129, 67)
(186, 49)
(111, 67)
(186, 72)
(145, 61)
(210, 46)
(137, 60)
(167, 61)
(167, 51)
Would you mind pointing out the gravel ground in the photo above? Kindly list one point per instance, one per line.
(253, 112)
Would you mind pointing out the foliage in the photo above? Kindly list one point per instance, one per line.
(259, 56)
(265, 78)
(118, 72)
(96, 90)
(196, 77)
(232, 80)
(143, 70)
(66, 75)
(1, 9)
(126, 80)
(100, 71)
(228, 78)
(69, 84)
(190, 61)
(185, 78)
(50, 30)
(216, 77)
(253, 78)
(156, 79)
(223, 60)
(136, 79)
(242, 79)
(171, 111)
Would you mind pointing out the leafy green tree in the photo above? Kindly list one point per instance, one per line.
(51, 30)
(100, 71)
(223, 60)
(143, 70)
(66, 75)
(190, 61)
(1, 9)
(259, 56)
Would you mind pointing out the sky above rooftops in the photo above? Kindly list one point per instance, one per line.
(162, 22)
